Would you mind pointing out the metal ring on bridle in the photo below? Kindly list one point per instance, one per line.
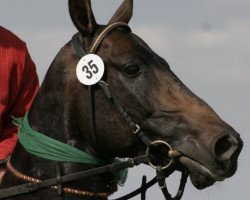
(170, 149)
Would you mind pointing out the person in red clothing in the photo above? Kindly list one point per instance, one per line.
(18, 87)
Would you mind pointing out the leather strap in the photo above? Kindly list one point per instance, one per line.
(77, 45)
(80, 52)
(161, 176)
(104, 33)
(135, 128)
(30, 187)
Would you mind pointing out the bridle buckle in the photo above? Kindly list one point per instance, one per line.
(136, 129)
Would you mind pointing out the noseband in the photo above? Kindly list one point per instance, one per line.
(161, 169)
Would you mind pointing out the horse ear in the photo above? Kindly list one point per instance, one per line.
(123, 13)
(82, 16)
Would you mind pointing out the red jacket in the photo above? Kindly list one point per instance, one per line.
(18, 87)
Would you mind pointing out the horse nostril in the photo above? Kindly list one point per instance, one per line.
(225, 146)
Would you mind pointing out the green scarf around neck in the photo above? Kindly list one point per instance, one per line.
(48, 148)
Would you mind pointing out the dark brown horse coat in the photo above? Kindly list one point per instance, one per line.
(153, 95)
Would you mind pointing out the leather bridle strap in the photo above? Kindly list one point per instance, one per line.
(104, 33)
(91, 99)
(161, 176)
(35, 184)
(77, 45)
(133, 126)
(80, 52)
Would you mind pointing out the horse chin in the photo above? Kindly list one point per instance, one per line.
(201, 176)
(200, 181)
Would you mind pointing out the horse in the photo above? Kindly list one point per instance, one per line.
(206, 147)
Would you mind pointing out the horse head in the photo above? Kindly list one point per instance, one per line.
(156, 99)
(164, 108)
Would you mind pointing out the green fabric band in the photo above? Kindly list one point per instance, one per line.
(51, 149)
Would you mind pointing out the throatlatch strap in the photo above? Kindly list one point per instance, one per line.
(77, 45)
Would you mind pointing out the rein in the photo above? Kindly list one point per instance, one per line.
(162, 170)
(55, 183)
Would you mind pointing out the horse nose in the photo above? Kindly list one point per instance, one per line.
(225, 146)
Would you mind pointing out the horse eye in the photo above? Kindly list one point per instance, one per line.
(131, 71)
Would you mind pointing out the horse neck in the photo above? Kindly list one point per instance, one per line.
(51, 116)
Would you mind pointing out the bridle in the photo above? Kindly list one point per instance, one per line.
(162, 170)
(135, 128)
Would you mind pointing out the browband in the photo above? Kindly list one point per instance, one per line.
(79, 49)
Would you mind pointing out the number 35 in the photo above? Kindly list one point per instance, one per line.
(90, 69)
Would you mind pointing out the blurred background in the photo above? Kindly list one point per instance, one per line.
(206, 43)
